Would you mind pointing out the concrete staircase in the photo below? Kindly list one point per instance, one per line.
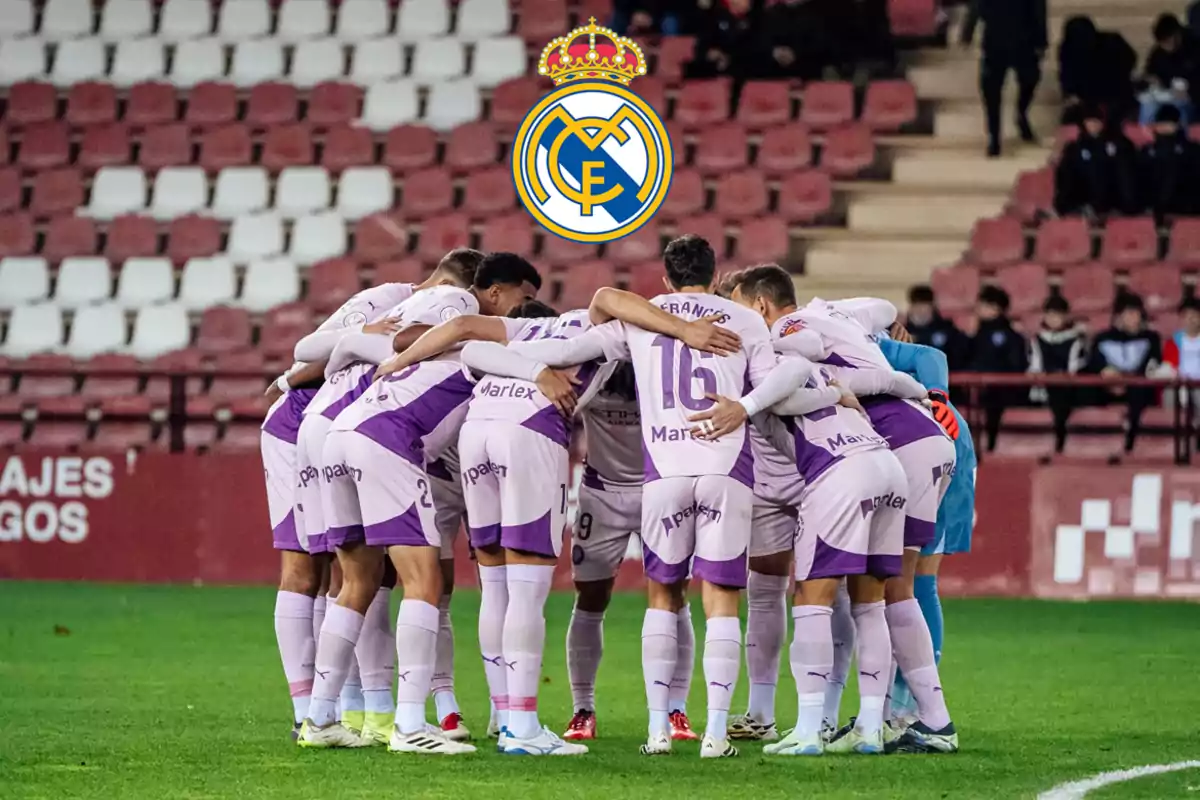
(899, 230)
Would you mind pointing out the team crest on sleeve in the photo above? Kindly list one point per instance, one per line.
(592, 161)
(792, 326)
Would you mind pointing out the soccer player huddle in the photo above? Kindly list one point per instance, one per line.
(753, 445)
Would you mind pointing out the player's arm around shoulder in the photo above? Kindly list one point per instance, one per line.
(433, 341)
(705, 334)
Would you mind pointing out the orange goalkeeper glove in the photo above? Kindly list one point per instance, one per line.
(943, 414)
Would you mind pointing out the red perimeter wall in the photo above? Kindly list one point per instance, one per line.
(1047, 531)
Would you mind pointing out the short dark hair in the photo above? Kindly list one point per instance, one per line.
(994, 296)
(690, 261)
(1128, 301)
(1056, 303)
(532, 309)
(460, 265)
(921, 293)
(768, 281)
(1168, 112)
(507, 268)
(1190, 303)
(1166, 26)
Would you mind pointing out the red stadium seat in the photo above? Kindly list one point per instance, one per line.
(104, 146)
(91, 103)
(347, 146)
(673, 53)
(229, 146)
(512, 100)
(654, 91)
(1130, 241)
(69, 236)
(1139, 135)
(5, 156)
(282, 327)
(223, 329)
(721, 148)
(210, 104)
(574, 286)
(58, 191)
(709, 227)
(471, 146)
(764, 103)
(889, 105)
(511, 233)
(287, 146)
(703, 102)
(333, 103)
(784, 149)
(741, 194)
(119, 437)
(761, 240)
(131, 236)
(646, 278)
(848, 151)
(686, 195)
(827, 104)
(31, 102)
(16, 235)
(272, 103)
(104, 381)
(557, 250)
(58, 435)
(10, 188)
(1159, 285)
(1026, 284)
(238, 438)
(45, 145)
(1088, 287)
(193, 236)
(331, 282)
(427, 192)
(997, 241)
(1063, 241)
(151, 104)
(404, 270)
(1184, 246)
(34, 386)
(641, 245)
(955, 287)
(805, 195)
(913, 17)
(441, 234)
(380, 237)
(158, 388)
(165, 146)
(1034, 193)
(410, 147)
(542, 21)
(227, 388)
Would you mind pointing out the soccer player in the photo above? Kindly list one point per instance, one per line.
(698, 497)
(376, 493)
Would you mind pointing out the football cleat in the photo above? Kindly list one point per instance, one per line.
(717, 748)
(657, 745)
(681, 728)
(746, 728)
(855, 741)
(430, 742)
(332, 735)
(494, 727)
(377, 727)
(796, 745)
(920, 738)
(454, 729)
(353, 721)
(295, 731)
(545, 743)
(829, 732)
(583, 726)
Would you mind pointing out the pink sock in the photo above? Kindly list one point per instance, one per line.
(685, 660)
(493, 607)
(722, 661)
(914, 653)
(297, 648)
(585, 646)
(335, 655)
(443, 668)
(525, 644)
(766, 628)
(318, 615)
(842, 627)
(416, 645)
(376, 652)
(874, 660)
(812, 662)
(660, 650)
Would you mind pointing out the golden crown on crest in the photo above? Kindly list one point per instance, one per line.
(592, 53)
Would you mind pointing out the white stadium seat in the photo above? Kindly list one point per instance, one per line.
(22, 59)
(497, 60)
(376, 60)
(179, 191)
(362, 19)
(389, 104)
(117, 191)
(207, 282)
(240, 190)
(95, 330)
(144, 282)
(79, 60)
(185, 19)
(196, 61)
(317, 61)
(451, 104)
(83, 280)
(479, 19)
(269, 283)
(365, 190)
(438, 59)
(317, 237)
(138, 60)
(23, 280)
(33, 329)
(158, 330)
(16, 18)
(256, 61)
(255, 236)
(422, 19)
(126, 19)
(244, 19)
(66, 19)
(302, 19)
(302, 190)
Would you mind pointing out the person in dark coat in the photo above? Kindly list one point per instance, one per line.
(796, 40)
(1168, 168)
(928, 327)
(1096, 172)
(996, 347)
(1129, 348)
(1060, 347)
(1014, 38)
(1172, 70)
(1095, 68)
(649, 17)
(727, 39)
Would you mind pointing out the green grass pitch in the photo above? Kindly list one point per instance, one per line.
(176, 693)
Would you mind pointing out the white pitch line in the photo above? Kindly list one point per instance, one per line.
(1074, 790)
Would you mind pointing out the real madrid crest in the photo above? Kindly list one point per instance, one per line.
(592, 161)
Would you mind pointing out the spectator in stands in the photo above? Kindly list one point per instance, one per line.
(1168, 168)
(1171, 70)
(1182, 351)
(929, 327)
(1060, 347)
(727, 33)
(996, 347)
(1128, 349)
(1096, 173)
(647, 17)
(797, 40)
(1014, 38)
(1095, 68)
